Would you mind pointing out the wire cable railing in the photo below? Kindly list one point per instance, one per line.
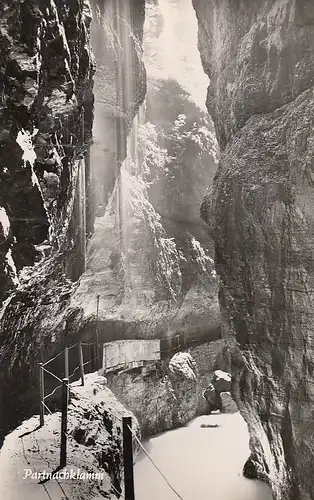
(52, 359)
(154, 464)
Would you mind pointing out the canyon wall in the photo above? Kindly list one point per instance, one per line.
(46, 123)
(46, 127)
(150, 256)
(47, 188)
(258, 56)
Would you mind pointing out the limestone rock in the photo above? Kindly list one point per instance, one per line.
(260, 212)
(218, 394)
(228, 404)
(211, 397)
(252, 469)
(183, 365)
(46, 80)
(221, 381)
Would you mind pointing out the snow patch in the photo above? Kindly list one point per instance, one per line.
(4, 220)
(11, 265)
(24, 140)
(5, 304)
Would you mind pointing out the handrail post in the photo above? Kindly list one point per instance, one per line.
(104, 358)
(98, 361)
(128, 459)
(64, 418)
(42, 394)
(66, 362)
(81, 362)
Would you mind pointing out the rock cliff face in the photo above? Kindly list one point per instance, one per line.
(46, 125)
(120, 87)
(46, 117)
(149, 259)
(258, 57)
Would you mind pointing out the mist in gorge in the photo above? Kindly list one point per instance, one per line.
(170, 47)
(150, 257)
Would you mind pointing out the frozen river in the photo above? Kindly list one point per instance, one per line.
(200, 463)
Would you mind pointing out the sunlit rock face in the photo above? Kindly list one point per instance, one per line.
(120, 87)
(257, 55)
(46, 113)
(150, 257)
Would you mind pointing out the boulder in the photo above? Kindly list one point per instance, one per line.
(221, 381)
(250, 469)
(253, 469)
(210, 395)
(227, 403)
(182, 364)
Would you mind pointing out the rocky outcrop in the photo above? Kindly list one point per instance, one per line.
(168, 393)
(221, 381)
(210, 395)
(257, 55)
(217, 394)
(228, 404)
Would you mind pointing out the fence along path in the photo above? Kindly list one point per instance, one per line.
(116, 355)
(120, 354)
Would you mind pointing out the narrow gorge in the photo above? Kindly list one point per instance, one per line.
(133, 206)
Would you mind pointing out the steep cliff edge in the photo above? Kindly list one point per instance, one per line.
(258, 57)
